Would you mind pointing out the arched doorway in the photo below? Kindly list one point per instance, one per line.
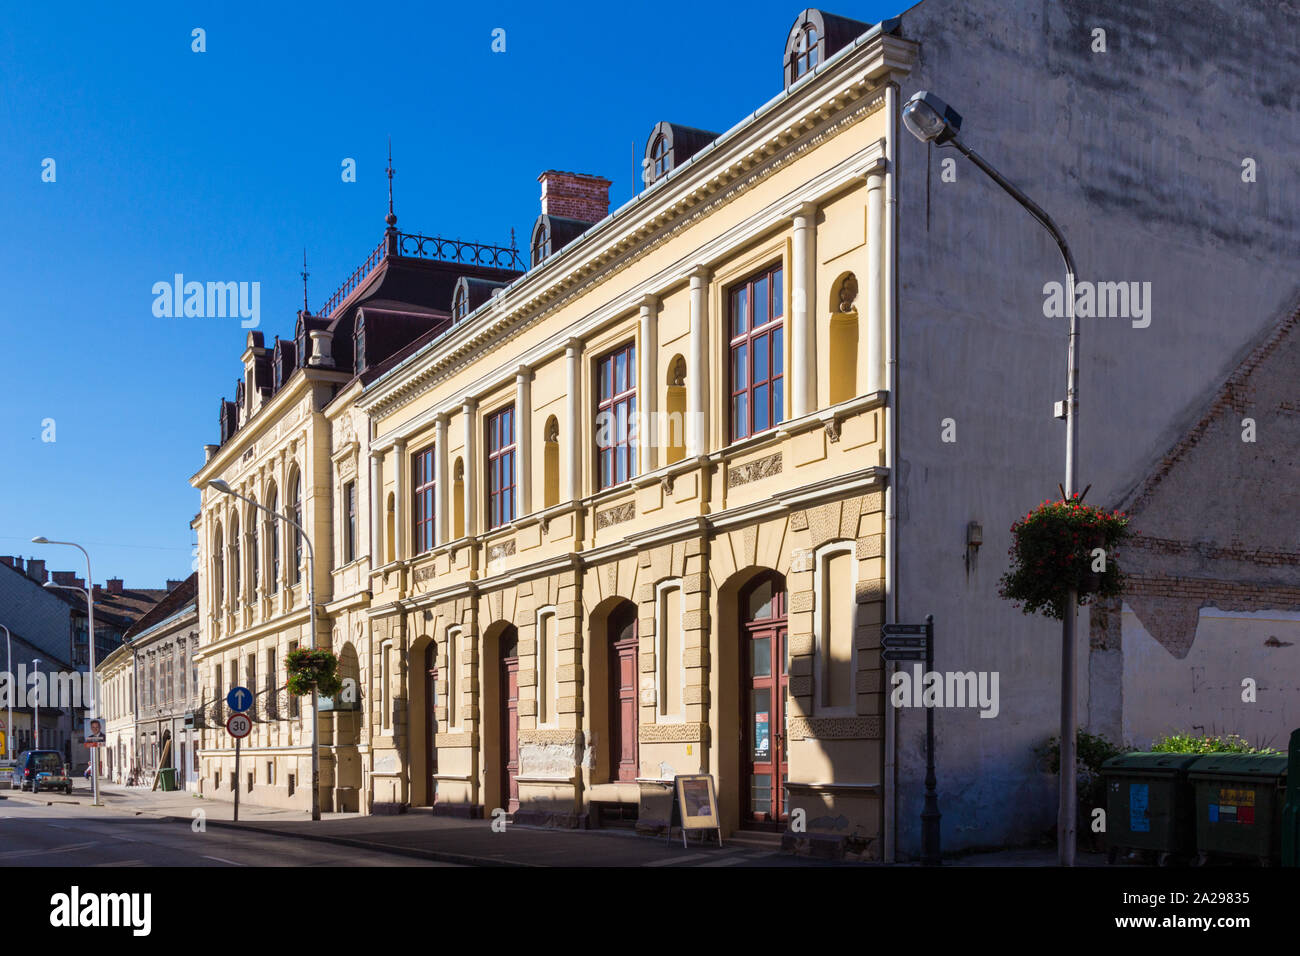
(509, 720)
(623, 675)
(431, 720)
(764, 683)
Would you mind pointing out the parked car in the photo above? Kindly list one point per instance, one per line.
(38, 770)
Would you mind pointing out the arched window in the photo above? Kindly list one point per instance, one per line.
(300, 337)
(541, 242)
(460, 303)
(273, 502)
(806, 49)
(675, 409)
(660, 158)
(235, 591)
(254, 541)
(295, 514)
(844, 377)
(359, 346)
(218, 569)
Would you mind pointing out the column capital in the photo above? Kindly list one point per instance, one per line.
(442, 418)
(805, 210)
(574, 347)
(699, 274)
(523, 374)
(468, 404)
(875, 171)
(399, 446)
(648, 303)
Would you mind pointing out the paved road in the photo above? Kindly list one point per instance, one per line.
(65, 834)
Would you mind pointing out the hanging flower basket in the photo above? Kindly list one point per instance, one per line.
(1053, 549)
(308, 669)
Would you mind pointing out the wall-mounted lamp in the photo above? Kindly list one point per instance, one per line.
(974, 538)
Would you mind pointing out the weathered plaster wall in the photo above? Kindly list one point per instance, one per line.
(1137, 155)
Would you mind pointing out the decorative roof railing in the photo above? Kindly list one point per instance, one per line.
(417, 246)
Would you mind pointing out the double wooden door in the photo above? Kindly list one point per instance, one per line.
(431, 719)
(623, 674)
(509, 671)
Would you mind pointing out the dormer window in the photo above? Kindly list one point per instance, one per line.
(541, 243)
(659, 157)
(805, 51)
(277, 367)
(301, 342)
(460, 302)
(359, 341)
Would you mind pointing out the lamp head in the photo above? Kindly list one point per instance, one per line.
(930, 119)
(40, 540)
(216, 484)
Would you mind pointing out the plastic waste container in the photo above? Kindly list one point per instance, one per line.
(167, 778)
(1239, 800)
(1149, 805)
(1291, 812)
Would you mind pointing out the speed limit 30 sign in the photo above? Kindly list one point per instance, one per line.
(239, 725)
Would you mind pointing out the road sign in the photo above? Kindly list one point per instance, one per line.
(239, 698)
(904, 654)
(900, 640)
(903, 629)
(239, 725)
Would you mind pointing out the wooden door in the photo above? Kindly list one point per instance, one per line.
(623, 672)
(431, 719)
(764, 688)
(510, 725)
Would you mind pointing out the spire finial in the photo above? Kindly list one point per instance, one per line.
(304, 275)
(391, 219)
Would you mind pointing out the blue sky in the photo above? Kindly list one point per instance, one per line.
(223, 165)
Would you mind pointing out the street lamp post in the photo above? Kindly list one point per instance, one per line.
(931, 120)
(9, 725)
(94, 677)
(216, 484)
(36, 705)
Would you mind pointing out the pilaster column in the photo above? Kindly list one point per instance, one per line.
(875, 282)
(376, 494)
(648, 386)
(803, 331)
(697, 373)
(440, 493)
(523, 441)
(573, 358)
(399, 500)
(469, 409)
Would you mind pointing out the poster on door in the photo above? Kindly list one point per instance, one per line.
(761, 736)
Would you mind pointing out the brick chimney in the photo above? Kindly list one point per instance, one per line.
(36, 570)
(574, 195)
(63, 577)
(173, 585)
(16, 563)
(114, 585)
(79, 582)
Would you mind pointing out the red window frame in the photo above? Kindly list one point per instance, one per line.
(501, 467)
(423, 506)
(756, 353)
(616, 458)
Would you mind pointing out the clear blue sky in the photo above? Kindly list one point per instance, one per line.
(223, 165)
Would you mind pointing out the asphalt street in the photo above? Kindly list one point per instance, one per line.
(66, 834)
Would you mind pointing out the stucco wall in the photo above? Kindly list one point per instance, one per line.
(1136, 153)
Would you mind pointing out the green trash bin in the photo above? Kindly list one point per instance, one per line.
(1149, 805)
(1291, 812)
(1239, 800)
(167, 778)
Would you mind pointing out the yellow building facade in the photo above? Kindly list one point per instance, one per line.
(569, 611)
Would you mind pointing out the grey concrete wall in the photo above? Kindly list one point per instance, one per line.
(1136, 153)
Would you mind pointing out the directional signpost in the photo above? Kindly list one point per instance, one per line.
(239, 725)
(915, 642)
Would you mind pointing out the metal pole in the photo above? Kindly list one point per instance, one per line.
(36, 705)
(9, 725)
(930, 815)
(1067, 808)
(236, 780)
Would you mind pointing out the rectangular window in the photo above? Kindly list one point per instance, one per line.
(181, 675)
(757, 354)
(349, 522)
(501, 467)
(616, 416)
(251, 672)
(424, 499)
(385, 709)
(219, 690)
(272, 705)
(453, 677)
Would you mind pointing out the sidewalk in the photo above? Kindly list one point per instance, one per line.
(420, 834)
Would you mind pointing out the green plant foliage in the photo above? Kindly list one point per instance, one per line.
(1052, 550)
(1219, 744)
(308, 669)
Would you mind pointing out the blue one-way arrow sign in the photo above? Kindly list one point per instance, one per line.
(239, 698)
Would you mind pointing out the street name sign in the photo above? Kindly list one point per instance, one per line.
(898, 640)
(903, 629)
(904, 654)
